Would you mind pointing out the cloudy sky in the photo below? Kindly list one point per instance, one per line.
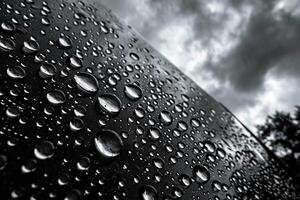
(245, 53)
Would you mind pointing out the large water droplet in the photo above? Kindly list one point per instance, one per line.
(108, 144)
(148, 193)
(86, 83)
(47, 70)
(133, 92)
(109, 104)
(30, 46)
(8, 26)
(16, 72)
(56, 97)
(7, 45)
(201, 174)
(44, 150)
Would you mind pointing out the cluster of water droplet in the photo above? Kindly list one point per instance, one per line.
(89, 110)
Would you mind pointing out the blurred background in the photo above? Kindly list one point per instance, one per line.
(246, 54)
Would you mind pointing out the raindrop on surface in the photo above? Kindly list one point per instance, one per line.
(201, 174)
(184, 180)
(158, 163)
(83, 163)
(109, 104)
(44, 150)
(108, 144)
(29, 166)
(7, 45)
(30, 46)
(3, 161)
(74, 62)
(86, 83)
(8, 26)
(134, 56)
(133, 92)
(216, 186)
(76, 124)
(16, 72)
(47, 70)
(56, 97)
(65, 42)
(165, 117)
(148, 193)
(154, 134)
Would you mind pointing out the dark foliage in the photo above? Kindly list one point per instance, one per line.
(281, 133)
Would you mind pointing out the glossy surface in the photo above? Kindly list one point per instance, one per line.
(89, 110)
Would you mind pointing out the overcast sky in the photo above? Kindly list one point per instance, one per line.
(245, 53)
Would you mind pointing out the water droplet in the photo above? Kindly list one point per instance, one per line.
(16, 72)
(30, 46)
(74, 62)
(184, 180)
(158, 163)
(134, 56)
(86, 83)
(195, 123)
(56, 97)
(76, 124)
(148, 193)
(3, 161)
(64, 42)
(216, 186)
(47, 70)
(154, 134)
(44, 150)
(139, 112)
(8, 26)
(83, 163)
(7, 45)
(109, 104)
(201, 174)
(108, 144)
(133, 92)
(29, 166)
(165, 117)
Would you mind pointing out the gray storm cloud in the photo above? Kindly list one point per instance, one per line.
(251, 48)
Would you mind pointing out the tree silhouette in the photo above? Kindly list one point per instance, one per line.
(281, 133)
